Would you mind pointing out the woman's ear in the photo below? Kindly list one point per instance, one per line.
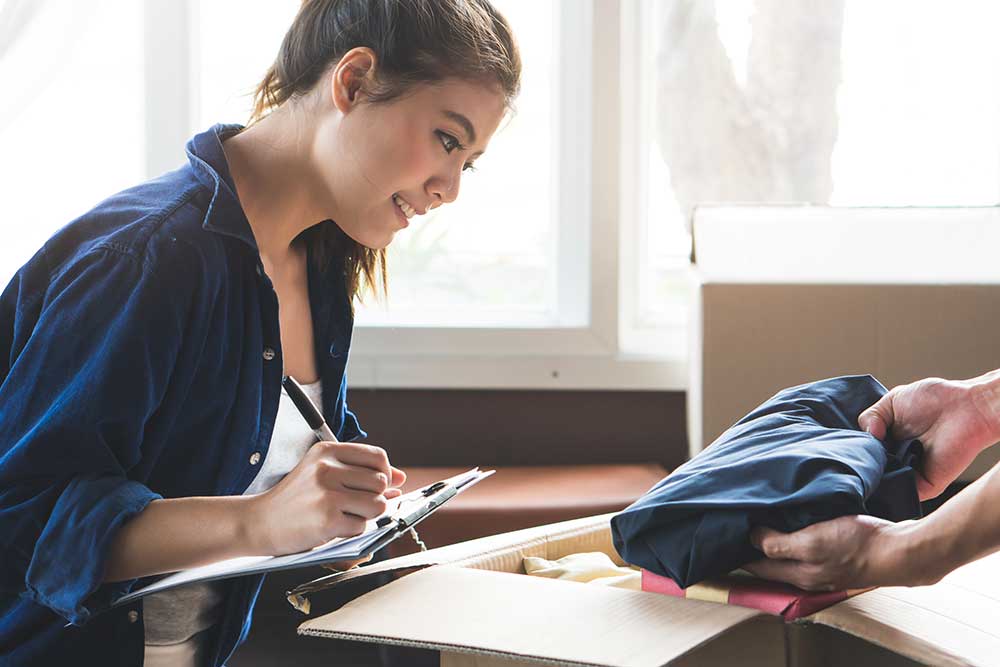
(352, 73)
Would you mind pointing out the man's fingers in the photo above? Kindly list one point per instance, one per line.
(801, 575)
(772, 543)
(772, 570)
(802, 545)
(878, 419)
(758, 534)
(872, 422)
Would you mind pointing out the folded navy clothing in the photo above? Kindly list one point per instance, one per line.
(798, 459)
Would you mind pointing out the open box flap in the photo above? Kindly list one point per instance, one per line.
(503, 552)
(953, 622)
(465, 610)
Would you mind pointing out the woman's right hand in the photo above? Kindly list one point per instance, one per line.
(955, 420)
(332, 492)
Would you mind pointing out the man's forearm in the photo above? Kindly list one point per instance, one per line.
(986, 396)
(179, 533)
(964, 529)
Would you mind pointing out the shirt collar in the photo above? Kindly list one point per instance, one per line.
(225, 213)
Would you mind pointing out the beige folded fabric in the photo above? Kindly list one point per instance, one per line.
(595, 567)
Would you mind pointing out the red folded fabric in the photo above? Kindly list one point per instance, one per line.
(772, 597)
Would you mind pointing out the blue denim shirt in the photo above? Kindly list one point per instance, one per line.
(139, 358)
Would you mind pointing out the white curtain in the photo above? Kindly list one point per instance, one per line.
(56, 25)
(15, 15)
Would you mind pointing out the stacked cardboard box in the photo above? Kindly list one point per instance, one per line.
(789, 294)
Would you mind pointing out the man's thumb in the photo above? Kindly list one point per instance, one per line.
(878, 418)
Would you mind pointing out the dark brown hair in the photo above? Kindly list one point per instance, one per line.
(415, 41)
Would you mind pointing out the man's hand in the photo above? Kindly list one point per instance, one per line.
(955, 420)
(849, 552)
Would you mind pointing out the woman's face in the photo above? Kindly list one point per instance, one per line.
(386, 163)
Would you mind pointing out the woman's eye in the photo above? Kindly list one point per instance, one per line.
(469, 167)
(449, 142)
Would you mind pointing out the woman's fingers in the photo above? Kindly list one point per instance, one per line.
(365, 456)
(372, 457)
(362, 504)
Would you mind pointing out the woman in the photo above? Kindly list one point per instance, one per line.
(142, 427)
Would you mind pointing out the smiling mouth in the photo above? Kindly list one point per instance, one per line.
(404, 206)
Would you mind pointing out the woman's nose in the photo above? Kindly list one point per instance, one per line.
(444, 190)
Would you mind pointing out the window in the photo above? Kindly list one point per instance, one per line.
(235, 44)
(845, 103)
(491, 258)
(564, 263)
(62, 151)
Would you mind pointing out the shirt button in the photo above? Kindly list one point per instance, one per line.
(255, 458)
(133, 616)
(268, 354)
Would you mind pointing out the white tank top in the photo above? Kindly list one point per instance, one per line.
(175, 619)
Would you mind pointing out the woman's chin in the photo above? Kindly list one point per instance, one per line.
(372, 239)
(381, 241)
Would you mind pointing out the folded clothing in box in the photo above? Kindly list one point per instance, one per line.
(798, 459)
(772, 597)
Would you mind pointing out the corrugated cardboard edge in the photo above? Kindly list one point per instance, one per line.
(507, 655)
(952, 622)
(454, 648)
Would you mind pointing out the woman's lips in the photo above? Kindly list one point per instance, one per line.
(400, 215)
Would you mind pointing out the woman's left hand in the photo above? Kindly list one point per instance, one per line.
(849, 552)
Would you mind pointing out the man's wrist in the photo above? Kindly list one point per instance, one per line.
(918, 554)
(984, 393)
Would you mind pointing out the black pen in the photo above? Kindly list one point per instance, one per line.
(309, 412)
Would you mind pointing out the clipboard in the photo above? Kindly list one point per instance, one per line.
(404, 513)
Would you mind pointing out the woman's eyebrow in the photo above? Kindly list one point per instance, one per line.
(465, 123)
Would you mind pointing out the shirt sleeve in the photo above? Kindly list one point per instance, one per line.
(81, 388)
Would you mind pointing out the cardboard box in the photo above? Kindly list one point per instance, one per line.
(791, 294)
(472, 602)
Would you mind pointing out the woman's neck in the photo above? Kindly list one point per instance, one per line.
(270, 166)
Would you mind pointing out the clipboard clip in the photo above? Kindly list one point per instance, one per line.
(434, 496)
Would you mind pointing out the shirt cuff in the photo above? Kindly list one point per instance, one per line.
(70, 558)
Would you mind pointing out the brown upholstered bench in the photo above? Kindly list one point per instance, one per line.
(522, 497)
